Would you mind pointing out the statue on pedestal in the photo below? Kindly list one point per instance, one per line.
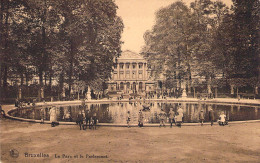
(184, 94)
(89, 94)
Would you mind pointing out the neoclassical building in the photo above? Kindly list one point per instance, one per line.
(130, 74)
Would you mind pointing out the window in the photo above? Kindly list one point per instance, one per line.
(121, 75)
(115, 75)
(127, 66)
(140, 75)
(133, 66)
(127, 74)
(134, 74)
(121, 66)
(115, 66)
(140, 66)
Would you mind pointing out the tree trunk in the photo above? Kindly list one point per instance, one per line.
(5, 42)
(1, 41)
(216, 92)
(50, 78)
(50, 83)
(189, 79)
(45, 79)
(26, 78)
(22, 79)
(61, 85)
(40, 74)
(71, 64)
(43, 55)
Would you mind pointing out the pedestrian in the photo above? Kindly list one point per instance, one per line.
(128, 119)
(171, 116)
(140, 119)
(180, 111)
(2, 112)
(16, 103)
(178, 119)
(87, 119)
(95, 121)
(53, 116)
(162, 117)
(80, 118)
(91, 122)
(227, 118)
(201, 117)
(222, 119)
(42, 114)
(211, 116)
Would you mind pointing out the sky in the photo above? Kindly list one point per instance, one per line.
(139, 16)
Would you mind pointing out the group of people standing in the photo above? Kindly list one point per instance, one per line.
(177, 118)
(174, 118)
(85, 120)
(222, 120)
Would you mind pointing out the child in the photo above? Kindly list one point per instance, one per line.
(128, 119)
(91, 123)
(162, 118)
(178, 119)
(222, 119)
(201, 117)
(171, 116)
(95, 120)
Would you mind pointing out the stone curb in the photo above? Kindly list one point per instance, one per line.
(212, 101)
(118, 125)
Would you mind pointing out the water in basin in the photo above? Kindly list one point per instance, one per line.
(117, 112)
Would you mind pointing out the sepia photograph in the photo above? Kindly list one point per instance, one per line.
(129, 81)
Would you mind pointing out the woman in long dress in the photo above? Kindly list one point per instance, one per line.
(53, 116)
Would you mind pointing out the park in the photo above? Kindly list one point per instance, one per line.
(99, 81)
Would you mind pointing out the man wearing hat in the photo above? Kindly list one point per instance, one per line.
(87, 114)
(80, 118)
(211, 115)
(171, 116)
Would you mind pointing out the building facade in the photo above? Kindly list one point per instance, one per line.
(130, 74)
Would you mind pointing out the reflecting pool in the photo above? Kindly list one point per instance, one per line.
(117, 112)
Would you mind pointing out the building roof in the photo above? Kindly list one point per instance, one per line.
(130, 55)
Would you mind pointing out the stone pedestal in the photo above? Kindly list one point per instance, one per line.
(89, 94)
(184, 94)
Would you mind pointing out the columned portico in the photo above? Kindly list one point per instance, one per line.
(130, 74)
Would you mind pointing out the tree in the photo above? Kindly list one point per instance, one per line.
(92, 31)
(166, 45)
(237, 44)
